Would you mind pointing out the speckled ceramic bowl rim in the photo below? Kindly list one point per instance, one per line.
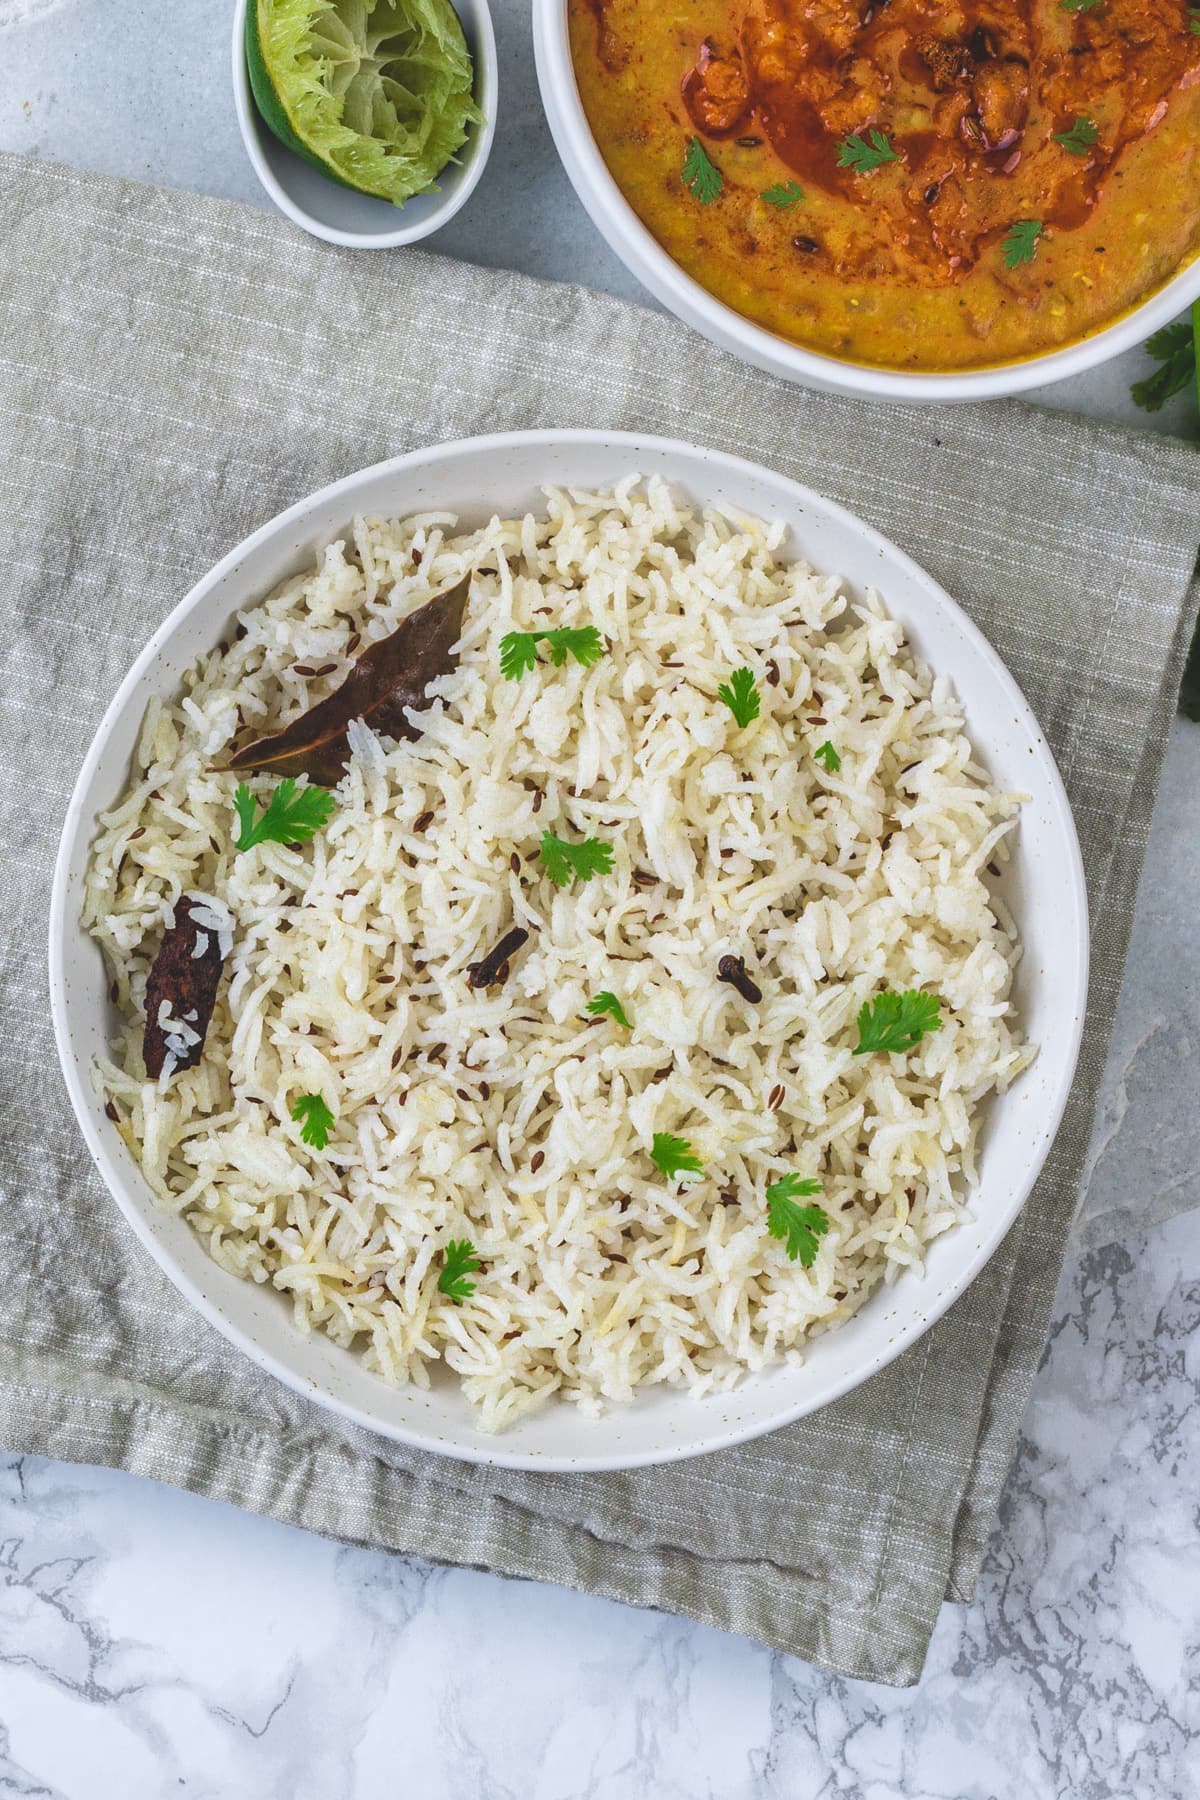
(644, 257)
(388, 237)
(662, 1425)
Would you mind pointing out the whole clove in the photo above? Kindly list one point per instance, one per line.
(733, 970)
(493, 967)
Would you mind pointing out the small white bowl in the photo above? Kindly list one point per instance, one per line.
(1043, 888)
(361, 221)
(645, 257)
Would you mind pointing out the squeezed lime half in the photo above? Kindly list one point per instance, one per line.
(376, 93)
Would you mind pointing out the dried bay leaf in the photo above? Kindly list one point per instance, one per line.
(386, 677)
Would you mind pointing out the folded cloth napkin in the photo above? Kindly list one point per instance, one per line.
(173, 371)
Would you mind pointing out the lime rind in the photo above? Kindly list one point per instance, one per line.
(376, 93)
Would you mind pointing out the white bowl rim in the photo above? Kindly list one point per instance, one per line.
(478, 150)
(645, 257)
(87, 1108)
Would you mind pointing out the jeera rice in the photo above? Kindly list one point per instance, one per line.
(507, 1117)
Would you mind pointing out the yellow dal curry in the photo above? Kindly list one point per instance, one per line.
(901, 182)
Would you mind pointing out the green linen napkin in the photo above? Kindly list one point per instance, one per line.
(173, 371)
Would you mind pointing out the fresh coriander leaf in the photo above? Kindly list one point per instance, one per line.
(518, 653)
(1078, 6)
(1169, 338)
(290, 817)
(243, 801)
(783, 194)
(701, 174)
(563, 862)
(314, 1119)
(606, 1002)
(1080, 138)
(518, 649)
(801, 1226)
(896, 1022)
(674, 1156)
(854, 152)
(1020, 246)
(458, 1262)
(1194, 20)
(1175, 348)
(828, 757)
(583, 642)
(740, 695)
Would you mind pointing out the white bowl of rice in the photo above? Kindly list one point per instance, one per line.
(668, 1173)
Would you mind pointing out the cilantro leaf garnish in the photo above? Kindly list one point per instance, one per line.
(290, 817)
(801, 1226)
(1020, 246)
(700, 174)
(896, 1022)
(1175, 348)
(606, 1002)
(458, 1262)
(854, 152)
(1080, 138)
(583, 642)
(314, 1119)
(674, 1156)
(828, 757)
(1078, 6)
(518, 649)
(783, 194)
(563, 862)
(518, 654)
(740, 694)
(1194, 20)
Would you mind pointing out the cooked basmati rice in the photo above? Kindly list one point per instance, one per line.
(506, 1115)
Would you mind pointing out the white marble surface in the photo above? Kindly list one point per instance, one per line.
(154, 1643)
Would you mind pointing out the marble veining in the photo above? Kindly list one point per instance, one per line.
(152, 1643)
